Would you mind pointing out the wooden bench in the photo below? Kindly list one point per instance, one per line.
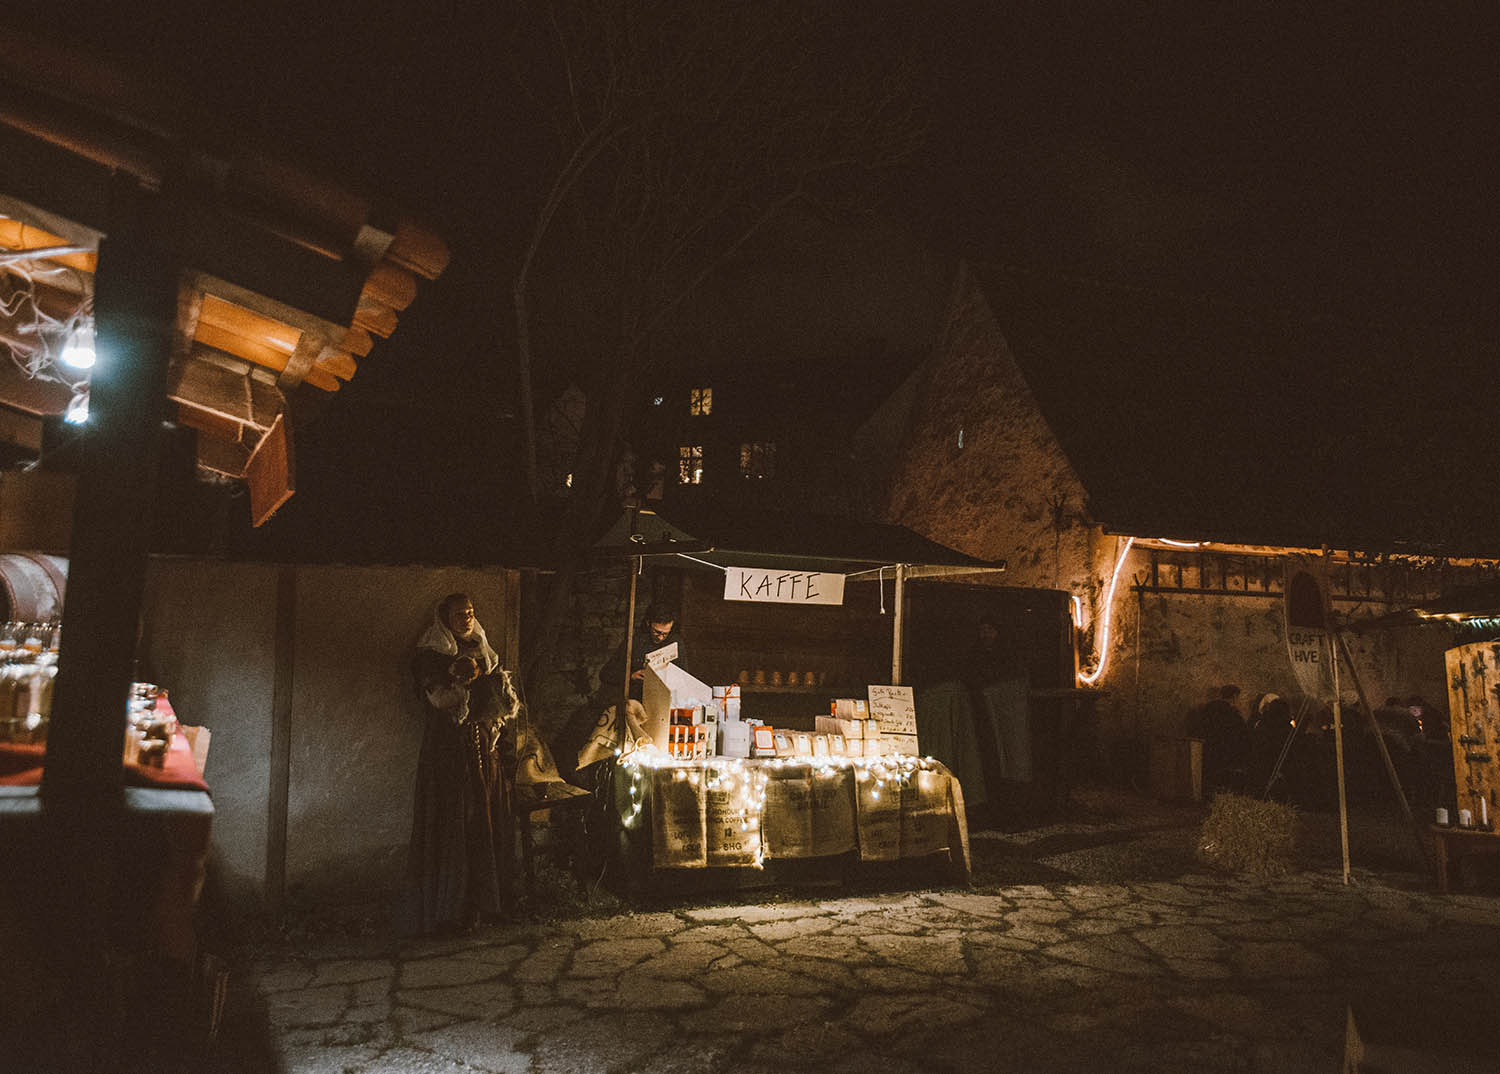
(1460, 845)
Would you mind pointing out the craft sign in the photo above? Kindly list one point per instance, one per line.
(783, 587)
(894, 710)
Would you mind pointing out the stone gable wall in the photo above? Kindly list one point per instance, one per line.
(1009, 492)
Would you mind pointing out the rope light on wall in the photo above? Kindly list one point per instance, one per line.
(1106, 616)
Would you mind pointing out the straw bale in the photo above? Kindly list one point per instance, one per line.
(1246, 835)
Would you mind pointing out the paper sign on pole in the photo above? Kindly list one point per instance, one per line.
(783, 587)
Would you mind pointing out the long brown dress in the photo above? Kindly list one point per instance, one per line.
(462, 834)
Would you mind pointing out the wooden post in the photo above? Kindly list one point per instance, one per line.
(1342, 645)
(1338, 751)
(279, 786)
(135, 310)
(899, 626)
(622, 724)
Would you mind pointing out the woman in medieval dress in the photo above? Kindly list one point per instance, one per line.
(461, 849)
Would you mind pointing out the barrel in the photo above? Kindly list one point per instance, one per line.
(32, 585)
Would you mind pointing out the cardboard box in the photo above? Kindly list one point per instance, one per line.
(905, 745)
(667, 688)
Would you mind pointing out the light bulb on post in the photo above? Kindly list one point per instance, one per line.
(78, 409)
(78, 352)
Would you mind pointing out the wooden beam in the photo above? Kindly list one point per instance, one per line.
(375, 316)
(340, 364)
(237, 397)
(270, 472)
(32, 394)
(419, 250)
(357, 342)
(279, 784)
(22, 430)
(18, 235)
(300, 362)
(69, 230)
(223, 457)
(208, 423)
(392, 285)
(135, 307)
(317, 378)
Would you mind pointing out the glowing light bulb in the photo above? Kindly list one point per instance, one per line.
(78, 352)
(78, 409)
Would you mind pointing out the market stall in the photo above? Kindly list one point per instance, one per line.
(168, 817)
(731, 784)
(177, 297)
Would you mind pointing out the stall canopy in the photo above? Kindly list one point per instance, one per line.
(288, 279)
(721, 536)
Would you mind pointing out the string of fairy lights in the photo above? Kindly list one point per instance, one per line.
(745, 781)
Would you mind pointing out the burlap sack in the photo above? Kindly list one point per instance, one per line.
(879, 817)
(731, 821)
(787, 824)
(678, 815)
(926, 813)
(832, 799)
(604, 740)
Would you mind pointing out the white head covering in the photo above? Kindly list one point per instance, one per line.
(439, 638)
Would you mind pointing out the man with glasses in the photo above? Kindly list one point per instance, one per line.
(657, 631)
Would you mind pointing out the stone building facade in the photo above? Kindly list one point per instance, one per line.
(974, 463)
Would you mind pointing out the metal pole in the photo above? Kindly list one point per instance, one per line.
(1338, 747)
(899, 627)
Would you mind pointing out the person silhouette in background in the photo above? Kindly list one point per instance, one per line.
(1226, 742)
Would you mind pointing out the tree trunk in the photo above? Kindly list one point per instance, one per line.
(592, 492)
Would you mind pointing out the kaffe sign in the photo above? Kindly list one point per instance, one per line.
(783, 587)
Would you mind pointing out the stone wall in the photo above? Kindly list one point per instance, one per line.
(592, 629)
(975, 465)
(980, 470)
(210, 637)
(1168, 652)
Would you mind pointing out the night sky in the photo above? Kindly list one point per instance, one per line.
(1336, 166)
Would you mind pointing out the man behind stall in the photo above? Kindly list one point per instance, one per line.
(657, 630)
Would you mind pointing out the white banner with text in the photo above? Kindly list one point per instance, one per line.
(783, 587)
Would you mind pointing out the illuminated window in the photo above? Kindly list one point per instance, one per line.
(690, 465)
(758, 460)
(658, 400)
(568, 481)
(700, 402)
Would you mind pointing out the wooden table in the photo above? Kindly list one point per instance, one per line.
(1458, 845)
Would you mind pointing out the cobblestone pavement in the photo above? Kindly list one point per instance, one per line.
(1201, 973)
